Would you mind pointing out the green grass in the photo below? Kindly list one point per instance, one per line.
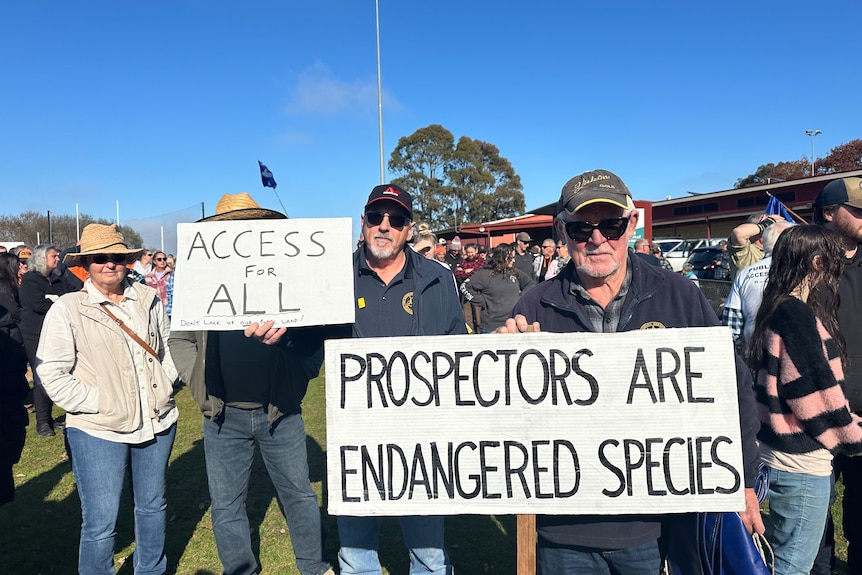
(39, 534)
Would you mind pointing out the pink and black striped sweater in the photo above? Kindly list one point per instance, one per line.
(801, 405)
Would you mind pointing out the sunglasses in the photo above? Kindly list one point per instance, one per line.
(103, 258)
(161, 259)
(376, 218)
(611, 228)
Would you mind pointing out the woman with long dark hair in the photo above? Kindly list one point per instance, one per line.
(496, 287)
(13, 377)
(799, 356)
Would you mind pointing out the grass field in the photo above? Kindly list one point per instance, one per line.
(40, 529)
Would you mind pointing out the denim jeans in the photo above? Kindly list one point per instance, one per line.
(798, 504)
(423, 536)
(641, 559)
(229, 450)
(100, 469)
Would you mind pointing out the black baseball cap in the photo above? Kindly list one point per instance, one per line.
(842, 191)
(392, 193)
(597, 186)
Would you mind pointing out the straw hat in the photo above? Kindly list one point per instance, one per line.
(101, 239)
(241, 207)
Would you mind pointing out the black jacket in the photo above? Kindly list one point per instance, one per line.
(34, 304)
(656, 299)
(850, 290)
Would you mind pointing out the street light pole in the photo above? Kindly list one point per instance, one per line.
(379, 92)
(812, 134)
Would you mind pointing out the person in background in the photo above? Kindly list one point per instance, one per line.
(465, 269)
(158, 278)
(115, 381)
(546, 266)
(440, 255)
(607, 290)
(562, 255)
(496, 288)
(523, 257)
(144, 264)
(745, 245)
(662, 261)
(688, 271)
(40, 288)
(13, 378)
(721, 263)
(454, 255)
(3, 249)
(426, 241)
(798, 352)
(172, 264)
(642, 250)
(23, 253)
(742, 303)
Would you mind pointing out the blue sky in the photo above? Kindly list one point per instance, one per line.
(164, 105)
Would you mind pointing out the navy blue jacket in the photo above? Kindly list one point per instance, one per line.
(656, 299)
(436, 303)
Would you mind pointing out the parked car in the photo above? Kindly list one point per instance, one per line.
(702, 261)
(678, 250)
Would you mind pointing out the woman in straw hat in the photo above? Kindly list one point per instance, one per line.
(103, 357)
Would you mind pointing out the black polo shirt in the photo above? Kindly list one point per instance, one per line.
(383, 310)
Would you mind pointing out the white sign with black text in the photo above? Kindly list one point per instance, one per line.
(641, 422)
(231, 273)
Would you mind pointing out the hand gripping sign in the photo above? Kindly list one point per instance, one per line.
(232, 273)
(641, 422)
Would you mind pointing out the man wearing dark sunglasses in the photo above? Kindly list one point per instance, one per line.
(605, 289)
(397, 293)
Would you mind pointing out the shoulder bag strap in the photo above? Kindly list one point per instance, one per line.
(128, 330)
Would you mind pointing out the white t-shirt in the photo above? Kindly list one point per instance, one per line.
(747, 293)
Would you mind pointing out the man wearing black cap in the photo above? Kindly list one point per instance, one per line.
(523, 258)
(605, 289)
(397, 292)
(839, 207)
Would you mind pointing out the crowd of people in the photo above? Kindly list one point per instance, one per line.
(93, 323)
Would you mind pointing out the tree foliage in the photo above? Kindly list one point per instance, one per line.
(844, 158)
(455, 184)
(33, 228)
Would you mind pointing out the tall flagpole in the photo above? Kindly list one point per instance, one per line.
(379, 91)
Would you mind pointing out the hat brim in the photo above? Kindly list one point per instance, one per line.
(74, 259)
(246, 214)
(394, 200)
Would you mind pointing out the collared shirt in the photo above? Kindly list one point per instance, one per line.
(603, 320)
(384, 309)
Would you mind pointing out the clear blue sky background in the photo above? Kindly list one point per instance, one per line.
(162, 105)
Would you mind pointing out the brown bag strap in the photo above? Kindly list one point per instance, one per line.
(129, 331)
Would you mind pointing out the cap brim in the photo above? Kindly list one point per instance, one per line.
(389, 199)
(246, 214)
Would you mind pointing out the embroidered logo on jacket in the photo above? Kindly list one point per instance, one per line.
(653, 325)
(407, 302)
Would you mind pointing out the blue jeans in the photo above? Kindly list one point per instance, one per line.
(423, 536)
(100, 469)
(798, 504)
(638, 560)
(229, 450)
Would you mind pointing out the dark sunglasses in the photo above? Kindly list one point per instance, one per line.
(376, 218)
(103, 258)
(611, 228)
(161, 259)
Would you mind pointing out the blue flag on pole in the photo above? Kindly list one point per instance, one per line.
(776, 208)
(266, 177)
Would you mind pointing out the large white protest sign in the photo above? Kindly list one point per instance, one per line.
(635, 422)
(232, 273)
